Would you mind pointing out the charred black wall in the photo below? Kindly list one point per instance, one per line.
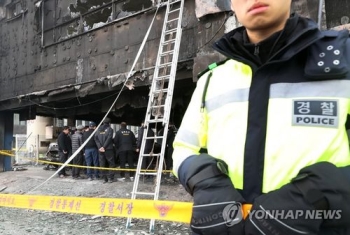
(28, 66)
(86, 42)
(307, 8)
(337, 12)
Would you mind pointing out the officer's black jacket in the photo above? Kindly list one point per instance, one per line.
(124, 140)
(292, 52)
(64, 142)
(104, 137)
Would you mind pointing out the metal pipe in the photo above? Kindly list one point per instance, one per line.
(320, 7)
(42, 23)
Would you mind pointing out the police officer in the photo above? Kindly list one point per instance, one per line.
(275, 133)
(148, 145)
(124, 142)
(104, 142)
(64, 148)
(172, 130)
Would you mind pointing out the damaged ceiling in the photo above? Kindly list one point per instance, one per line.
(70, 19)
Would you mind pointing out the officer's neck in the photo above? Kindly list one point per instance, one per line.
(260, 34)
(255, 37)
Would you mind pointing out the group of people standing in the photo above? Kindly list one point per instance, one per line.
(104, 149)
(69, 143)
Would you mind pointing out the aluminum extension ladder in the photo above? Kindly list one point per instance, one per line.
(160, 99)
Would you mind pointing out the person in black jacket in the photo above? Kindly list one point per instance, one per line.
(91, 153)
(172, 130)
(148, 145)
(77, 141)
(64, 148)
(104, 142)
(124, 141)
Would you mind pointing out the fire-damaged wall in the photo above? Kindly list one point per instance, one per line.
(70, 58)
(28, 66)
(338, 13)
(50, 44)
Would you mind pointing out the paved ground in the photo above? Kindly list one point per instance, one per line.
(30, 222)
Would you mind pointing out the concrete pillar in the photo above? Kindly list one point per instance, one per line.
(36, 133)
(6, 137)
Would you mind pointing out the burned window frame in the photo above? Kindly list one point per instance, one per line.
(15, 10)
(56, 29)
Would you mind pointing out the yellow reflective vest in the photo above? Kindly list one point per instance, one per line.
(305, 124)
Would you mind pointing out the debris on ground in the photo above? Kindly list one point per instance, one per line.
(33, 222)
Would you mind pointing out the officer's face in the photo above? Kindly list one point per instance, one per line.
(260, 15)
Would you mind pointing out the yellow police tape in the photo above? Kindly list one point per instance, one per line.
(2, 152)
(115, 207)
(7, 153)
(101, 168)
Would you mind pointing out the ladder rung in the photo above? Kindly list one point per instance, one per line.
(172, 20)
(155, 120)
(164, 65)
(170, 31)
(169, 41)
(167, 77)
(177, 9)
(158, 106)
(167, 53)
(151, 138)
(160, 91)
(148, 173)
(144, 193)
(159, 137)
(174, 1)
(149, 155)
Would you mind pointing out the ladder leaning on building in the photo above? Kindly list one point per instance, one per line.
(160, 97)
